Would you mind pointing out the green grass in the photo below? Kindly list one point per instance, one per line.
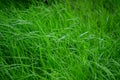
(63, 41)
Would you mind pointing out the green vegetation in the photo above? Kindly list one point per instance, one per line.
(70, 40)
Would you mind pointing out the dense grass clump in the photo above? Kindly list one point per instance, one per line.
(77, 40)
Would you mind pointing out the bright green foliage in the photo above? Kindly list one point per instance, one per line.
(71, 40)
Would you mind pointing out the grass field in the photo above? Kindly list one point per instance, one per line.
(72, 40)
